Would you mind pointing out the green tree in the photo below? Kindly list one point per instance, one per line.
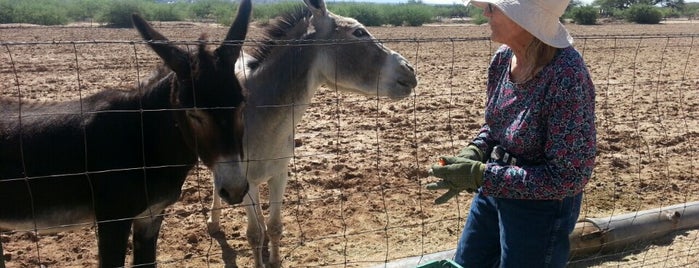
(624, 4)
(644, 14)
(585, 15)
(366, 13)
(118, 13)
(81, 10)
(7, 12)
(408, 14)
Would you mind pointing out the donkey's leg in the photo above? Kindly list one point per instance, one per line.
(213, 224)
(256, 229)
(112, 238)
(145, 240)
(2, 256)
(274, 224)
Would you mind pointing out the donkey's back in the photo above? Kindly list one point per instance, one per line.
(68, 160)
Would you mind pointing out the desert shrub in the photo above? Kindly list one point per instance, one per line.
(7, 12)
(691, 10)
(118, 13)
(585, 15)
(43, 12)
(478, 19)
(408, 14)
(46, 16)
(451, 11)
(225, 13)
(394, 17)
(265, 12)
(613, 13)
(417, 15)
(81, 10)
(366, 13)
(670, 13)
(167, 12)
(644, 14)
(200, 9)
(476, 15)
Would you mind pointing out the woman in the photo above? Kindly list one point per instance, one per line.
(533, 156)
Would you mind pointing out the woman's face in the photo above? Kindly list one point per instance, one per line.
(503, 29)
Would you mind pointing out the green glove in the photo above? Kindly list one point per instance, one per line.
(458, 174)
(472, 152)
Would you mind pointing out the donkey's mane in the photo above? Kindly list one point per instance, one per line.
(281, 29)
(160, 72)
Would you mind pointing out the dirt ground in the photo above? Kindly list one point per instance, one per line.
(356, 194)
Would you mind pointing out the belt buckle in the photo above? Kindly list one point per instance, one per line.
(495, 154)
(500, 154)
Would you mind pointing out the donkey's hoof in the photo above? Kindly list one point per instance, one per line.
(213, 227)
(275, 264)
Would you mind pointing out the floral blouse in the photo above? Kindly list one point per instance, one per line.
(547, 122)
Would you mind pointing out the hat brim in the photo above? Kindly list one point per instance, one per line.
(532, 18)
(540, 24)
(480, 4)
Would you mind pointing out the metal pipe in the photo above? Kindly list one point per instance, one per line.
(616, 233)
(602, 235)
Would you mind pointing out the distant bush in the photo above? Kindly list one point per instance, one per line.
(118, 13)
(265, 12)
(43, 12)
(46, 16)
(476, 15)
(585, 15)
(644, 14)
(451, 11)
(670, 13)
(82, 10)
(418, 14)
(201, 9)
(225, 13)
(366, 13)
(479, 19)
(7, 12)
(408, 14)
(167, 12)
(691, 10)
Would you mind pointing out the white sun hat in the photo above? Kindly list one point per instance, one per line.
(538, 17)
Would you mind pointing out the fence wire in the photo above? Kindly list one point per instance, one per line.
(355, 196)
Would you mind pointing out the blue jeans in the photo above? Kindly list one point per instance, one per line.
(517, 233)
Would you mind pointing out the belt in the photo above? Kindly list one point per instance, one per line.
(500, 155)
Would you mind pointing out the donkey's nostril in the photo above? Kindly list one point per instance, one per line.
(233, 197)
(409, 67)
(224, 194)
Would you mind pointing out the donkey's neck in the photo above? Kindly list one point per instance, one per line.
(279, 92)
(162, 115)
(157, 94)
(286, 78)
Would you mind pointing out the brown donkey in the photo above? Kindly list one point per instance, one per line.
(117, 159)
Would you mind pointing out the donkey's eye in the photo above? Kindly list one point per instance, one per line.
(360, 33)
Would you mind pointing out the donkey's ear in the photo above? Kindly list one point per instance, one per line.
(175, 58)
(317, 7)
(229, 51)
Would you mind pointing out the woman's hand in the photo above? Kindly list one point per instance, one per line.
(457, 174)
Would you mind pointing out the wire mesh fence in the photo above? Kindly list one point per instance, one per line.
(355, 196)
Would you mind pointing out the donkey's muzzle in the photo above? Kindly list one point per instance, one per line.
(233, 197)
